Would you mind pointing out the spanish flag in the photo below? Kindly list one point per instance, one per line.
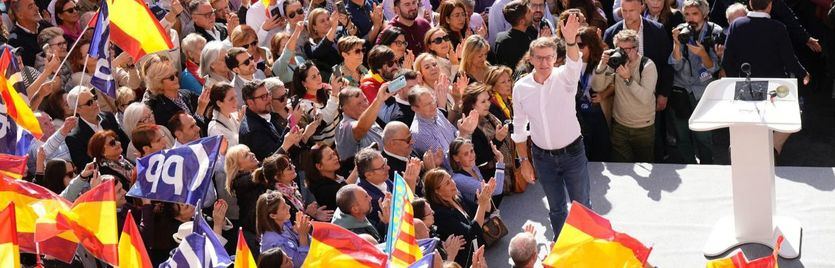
(33, 200)
(739, 260)
(135, 29)
(12, 166)
(243, 256)
(588, 240)
(16, 107)
(405, 249)
(93, 220)
(132, 253)
(333, 246)
(9, 247)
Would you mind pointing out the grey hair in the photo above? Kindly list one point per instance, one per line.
(133, 113)
(522, 249)
(736, 7)
(626, 36)
(211, 51)
(391, 129)
(273, 83)
(192, 42)
(345, 197)
(418, 91)
(72, 96)
(363, 160)
(347, 93)
(703, 6)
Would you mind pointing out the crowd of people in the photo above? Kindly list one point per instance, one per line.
(323, 102)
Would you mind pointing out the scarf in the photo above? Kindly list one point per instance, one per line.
(498, 101)
(291, 192)
(194, 70)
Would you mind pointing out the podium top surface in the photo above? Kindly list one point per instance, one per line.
(719, 109)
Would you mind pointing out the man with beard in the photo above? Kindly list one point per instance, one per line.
(512, 44)
(498, 24)
(414, 26)
(381, 61)
(537, 7)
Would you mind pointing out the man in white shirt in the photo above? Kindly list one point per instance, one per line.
(545, 99)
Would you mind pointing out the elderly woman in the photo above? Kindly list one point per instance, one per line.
(223, 102)
(455, 215)
(323, 35)
(55, 45)
(244, 36)
(164, 96)
(474, 58)
(66, 15)
(190, 78)
(106, 150)
(437, 43)
(500, 83)
(137, 114)
(212, 65)
(283, 48)
(351, 49)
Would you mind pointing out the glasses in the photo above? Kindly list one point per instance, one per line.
(358, 51)
(112, 143)
(406, 140)
(543, 58)
(628, 48)
(62, 43)
(299, 12)
(207, 14)
(247, 46)
(265, 96)
(383, 166)
(400, 43)
(440, 40)
(91, 101)
(391, 63)
(70, 10)
(281, 98)
(172, 77)
(246, 62)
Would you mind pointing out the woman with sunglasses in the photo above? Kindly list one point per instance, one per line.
(164, 96)
(244, 36)
(54, 174)
(106, 150)
(437, 43)
(66, 15)
(351, 68)
(223, 104)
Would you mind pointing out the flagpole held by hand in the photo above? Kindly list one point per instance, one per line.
(68, 53)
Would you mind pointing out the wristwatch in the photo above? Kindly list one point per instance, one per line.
(522, 159)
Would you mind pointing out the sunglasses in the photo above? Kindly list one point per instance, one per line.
(358, 51)
(391, 63)
(246, 62)
(112, 143)
(440, 40)
(172, 77)
(299, 12)
(247, 46)
(91, 101)
(70, 10)
(281, 98)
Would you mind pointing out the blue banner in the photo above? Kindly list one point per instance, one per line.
(190, 253)
(102, 78)
(217, 254)
(179, 175)
(13, 140)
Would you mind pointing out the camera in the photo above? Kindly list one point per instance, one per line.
(712, 39)
(688, 33)
(617, 57)
(685, 34)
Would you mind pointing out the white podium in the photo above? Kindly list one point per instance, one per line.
(752, 163)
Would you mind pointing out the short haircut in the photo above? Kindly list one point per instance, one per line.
(736, 7)
(759, 4)
(515, 11)
(194, 4)
(144, 135)
(470, 98)
(379, 56)
(157, 67)
(542, 42)
(231, 58)
(522, 249)
(72, 96)
(363, 160)
(175, 123)
(192, 42)
(211, 51)
(48, 34)
(392, 128)
(346, 197)
(390, 34)
(241, 33)
(95, 147)
(347, 93)
(345, 44)
(273, 83)
(626, 35)
(248, 90)
(702, 5)
(416, 92)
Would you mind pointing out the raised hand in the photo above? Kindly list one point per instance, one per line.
(319, 213)
(468, 123)
(412, 172)
(570, 27)
(377, 14)
(69, 124)
(302, 228)
(385, 208)
(478, 258)
(501, 131)
(232, 21)
(498, 156)
(529, 228)
(409, 59)
(452, 245)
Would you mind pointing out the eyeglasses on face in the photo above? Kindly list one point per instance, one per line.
(246, 62)
(253, 44)
(91, 101)
(400, 43)
(281, 98)
(264, 96)
(172, 77)
(439, 40)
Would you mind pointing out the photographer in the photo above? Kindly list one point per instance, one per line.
(694, 63)
(635, 76)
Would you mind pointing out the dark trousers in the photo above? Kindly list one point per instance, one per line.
(632, 144)
(595, 131)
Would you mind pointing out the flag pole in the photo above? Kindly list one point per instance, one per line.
(68, 53)
(84, 69)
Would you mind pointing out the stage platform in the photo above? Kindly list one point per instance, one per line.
(674, 207)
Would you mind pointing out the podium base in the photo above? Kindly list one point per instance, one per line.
(723, 238)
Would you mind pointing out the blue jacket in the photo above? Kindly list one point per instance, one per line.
(288, 241)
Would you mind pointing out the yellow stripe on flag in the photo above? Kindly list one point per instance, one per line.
(135, 29)
(9, 255)
(577, 249)
(324, 255)
(132, 253)
(243, 256)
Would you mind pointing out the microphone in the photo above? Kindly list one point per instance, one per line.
(746, 68)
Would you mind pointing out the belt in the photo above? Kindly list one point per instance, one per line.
(572, 147)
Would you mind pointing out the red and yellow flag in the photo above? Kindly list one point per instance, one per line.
(588, 240)
(243, 256)
(333, 246)
(405, 250)
(32, 201)
(12, 166)
(93, 220)
(9, 247)
(135, 29)
(739, 260)
(16, 107)
(132, 253)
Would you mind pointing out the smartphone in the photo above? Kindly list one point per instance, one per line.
(294, 121)
(337, 73)
(509, 123)
(340, 7)
(397, 84)
(275, 13)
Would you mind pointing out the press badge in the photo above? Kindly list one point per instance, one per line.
(705, 76)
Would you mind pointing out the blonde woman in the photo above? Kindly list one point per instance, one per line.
(164, 95)
(474, 63)
(241, 191)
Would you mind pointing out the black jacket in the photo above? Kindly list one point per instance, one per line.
(80, 136)
(263, 138)
(750, 39)
(511, 45)
(221, 29)
(164, 108)
(451, 222)
(657, 47)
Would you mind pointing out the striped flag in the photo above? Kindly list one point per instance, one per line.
(135, 29)
(588, 239)
(214, 249)
(9, 246)
(190, 253)
(12, 166)
(102, 78)
(333, 246)
(243, 256)
(16, 107)
(132, 253)
(93, 220)
(14, 140)
(32, 201)
(401, 243)
(739, 260)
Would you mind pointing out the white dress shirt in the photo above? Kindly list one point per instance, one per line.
(548, 107)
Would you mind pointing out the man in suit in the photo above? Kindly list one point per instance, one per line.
(92, 120)
(373, 172)
(205, 17)
(655, 45)
(780, 12)
(261, 129)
